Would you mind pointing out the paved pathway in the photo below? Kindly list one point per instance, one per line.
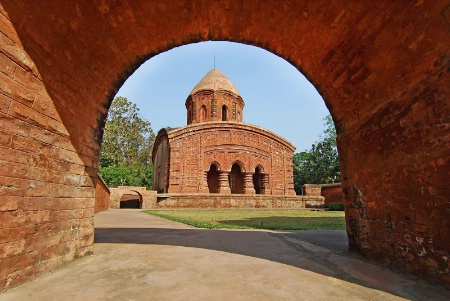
(141, 257)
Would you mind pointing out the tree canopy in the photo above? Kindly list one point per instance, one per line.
(320, 164)
(127, 144)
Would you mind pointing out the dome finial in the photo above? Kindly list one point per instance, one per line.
(215, 80)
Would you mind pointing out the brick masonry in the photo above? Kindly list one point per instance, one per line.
(194, 148)
(332, 193)
(217, 152)
(147, 197)
(383, 74)
(102, 198)
(186, 200)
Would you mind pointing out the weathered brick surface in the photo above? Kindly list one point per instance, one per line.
(147, 197)
(312, 189)
(102, 195)
(216, 152)
(186, 200)
(382, 72)
(195, 147)
(332, 193)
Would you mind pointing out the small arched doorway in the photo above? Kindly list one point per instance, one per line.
(213, 179)
(224, 113)
(236, 179)
(257, 179)
(131, 200)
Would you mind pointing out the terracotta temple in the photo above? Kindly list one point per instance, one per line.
(217, 152)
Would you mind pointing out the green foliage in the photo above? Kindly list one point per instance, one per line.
(320, 164)
(256, 219)
(127, 144)
(336, 207)
(127, 138)
(135, 175)
(119, 175)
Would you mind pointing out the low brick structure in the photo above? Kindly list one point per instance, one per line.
(237, 201)
(312, 189)
(147, 197)
(332, 193)
(102, 195)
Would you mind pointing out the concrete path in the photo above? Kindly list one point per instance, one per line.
(141, 257)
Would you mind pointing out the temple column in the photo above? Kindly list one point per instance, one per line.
(204, 188)
(248, 183)
(224, 186)
(265, 184)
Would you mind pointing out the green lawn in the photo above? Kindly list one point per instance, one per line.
(256, 218)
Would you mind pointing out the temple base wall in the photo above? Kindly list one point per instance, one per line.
(237, 201)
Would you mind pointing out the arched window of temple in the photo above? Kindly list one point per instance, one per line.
(213, 179)
(236, 179)
(203, 113)
(224, 113)
(257, 179)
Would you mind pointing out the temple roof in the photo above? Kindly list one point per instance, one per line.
(216, 81)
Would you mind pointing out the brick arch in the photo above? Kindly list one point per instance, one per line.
(240, 163)
(261, 168)
(383, 76)
(217, 164)
(213, 177)
(145, 196)
(135, 192)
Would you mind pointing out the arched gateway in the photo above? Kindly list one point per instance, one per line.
(382, 69)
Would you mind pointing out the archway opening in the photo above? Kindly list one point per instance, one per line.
(257, 180)
(213, 179)
(131, 200)
(377, 150)
(236, 179)
(203, 113)
(224, 113)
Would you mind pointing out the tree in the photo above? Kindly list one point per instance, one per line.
(128, 138)
(127, 145)
(320, 164)
(302, 172)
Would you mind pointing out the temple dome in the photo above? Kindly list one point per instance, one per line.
(215, 80)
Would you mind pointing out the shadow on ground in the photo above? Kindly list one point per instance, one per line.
(323, 252)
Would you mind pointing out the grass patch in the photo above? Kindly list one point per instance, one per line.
(256, 219)
(336, 207)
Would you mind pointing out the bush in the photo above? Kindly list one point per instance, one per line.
(336, 207)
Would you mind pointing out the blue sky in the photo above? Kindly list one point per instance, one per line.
(276, 95)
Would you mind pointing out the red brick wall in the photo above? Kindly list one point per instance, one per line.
(194, 148)
(102, 196)
(237, 201)
(332, 193)
(160, 159)
(214, 109)
(382, 72)
(312, 189)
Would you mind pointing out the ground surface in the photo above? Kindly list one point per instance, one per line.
(142, 257)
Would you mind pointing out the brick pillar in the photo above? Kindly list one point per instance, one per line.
(248, 183)
(265, 184)
(204, 188)
(224, 187)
